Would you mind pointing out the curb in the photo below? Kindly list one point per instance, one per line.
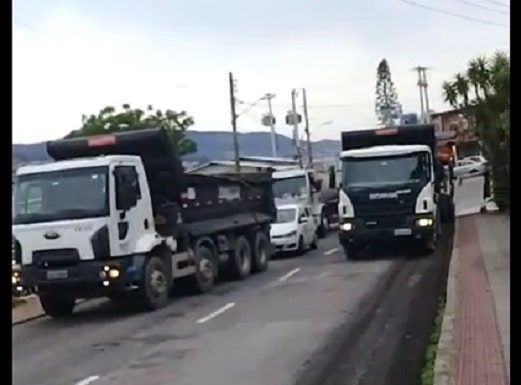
(30, 301)
(444, 354)
(39, 315)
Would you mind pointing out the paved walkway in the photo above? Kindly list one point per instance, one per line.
(474, 347)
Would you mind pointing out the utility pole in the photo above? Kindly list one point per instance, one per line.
(234, 123)
(268, 97)
(306, 127)
(424, 96)
(295, 124)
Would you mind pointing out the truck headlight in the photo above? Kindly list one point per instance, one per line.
(424, 222)
(346, 226)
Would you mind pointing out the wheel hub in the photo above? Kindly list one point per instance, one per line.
(206, 269)
(158, 282)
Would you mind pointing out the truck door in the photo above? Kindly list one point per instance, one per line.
(130, 217)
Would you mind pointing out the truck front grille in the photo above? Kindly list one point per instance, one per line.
(56, 257)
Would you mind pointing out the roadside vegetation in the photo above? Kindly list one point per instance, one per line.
(482, 94)
(427, 373)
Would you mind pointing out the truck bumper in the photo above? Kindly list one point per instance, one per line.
(87, 279)
(407, 228)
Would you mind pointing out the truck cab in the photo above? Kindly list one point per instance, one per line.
(115, 216)
(389, 191)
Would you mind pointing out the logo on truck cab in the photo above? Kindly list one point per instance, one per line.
(51, 235)
(388, 195)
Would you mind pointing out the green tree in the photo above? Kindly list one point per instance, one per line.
(108, 120)
(387, 106)
(483, 95)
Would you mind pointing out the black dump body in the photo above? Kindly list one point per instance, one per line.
(213, 203)
(162, 164)
(399, 135)
(207, 203)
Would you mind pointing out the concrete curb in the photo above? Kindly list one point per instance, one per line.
(444, 355)
(32, 309)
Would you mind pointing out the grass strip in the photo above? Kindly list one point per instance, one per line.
(427, 373)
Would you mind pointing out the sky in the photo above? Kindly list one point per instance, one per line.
(74, 57)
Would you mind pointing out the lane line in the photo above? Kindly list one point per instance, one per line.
(216, 313)
(289, 275)
(329, 252)
(88, 380)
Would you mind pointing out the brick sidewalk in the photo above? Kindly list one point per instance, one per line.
(473, 345)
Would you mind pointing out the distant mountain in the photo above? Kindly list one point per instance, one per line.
(211, 145)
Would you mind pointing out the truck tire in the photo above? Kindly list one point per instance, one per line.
(155, 285)
(203, 279)
(261, 252)
(351, 252)
(241, 259)
(57, 307)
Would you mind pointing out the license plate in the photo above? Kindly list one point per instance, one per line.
(57, 274)
(402, 232)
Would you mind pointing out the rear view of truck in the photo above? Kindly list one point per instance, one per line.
(391, 188)
(115, 216)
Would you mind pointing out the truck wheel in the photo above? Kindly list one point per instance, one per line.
(57, 307)
(241, 259)
(261, 252)
(322, 228)
(203, 279)
(155, 284)
(350, 252)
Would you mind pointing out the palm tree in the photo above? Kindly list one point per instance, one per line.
(462, 88)
(449, 94)
(483, 74)
(474, 76)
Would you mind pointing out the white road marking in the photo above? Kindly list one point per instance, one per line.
(216, 313)
(329, 252)
(88, 380)
(289, 275)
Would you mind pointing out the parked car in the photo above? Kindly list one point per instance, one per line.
(295, 228)
(471, 166)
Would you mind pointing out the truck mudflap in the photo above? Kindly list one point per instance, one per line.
(87, 278)
(412, 227)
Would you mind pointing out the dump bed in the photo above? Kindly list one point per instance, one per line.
(153, 146)
(399, 135)
(213, 203)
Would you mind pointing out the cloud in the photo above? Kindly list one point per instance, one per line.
(74, 61)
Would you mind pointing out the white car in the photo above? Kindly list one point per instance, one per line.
(471, 166)
(295, 229)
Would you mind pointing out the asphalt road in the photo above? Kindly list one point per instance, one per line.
(310, 320)
(260, 331)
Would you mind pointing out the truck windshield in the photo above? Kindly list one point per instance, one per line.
(289, 187)
(58, 195)
(286, 215)
(377, 171)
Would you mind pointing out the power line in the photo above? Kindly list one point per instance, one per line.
(413, 3)
(497, 3)
(471, 4)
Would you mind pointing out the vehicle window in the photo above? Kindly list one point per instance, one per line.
(66, 194)
(286, 215)
(128, 175)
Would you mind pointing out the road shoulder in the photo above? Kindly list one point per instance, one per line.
(470, 349)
